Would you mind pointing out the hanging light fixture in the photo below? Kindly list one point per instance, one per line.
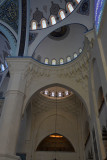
(55, 121)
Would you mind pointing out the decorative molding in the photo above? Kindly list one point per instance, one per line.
(77, 69)
(54, 9)
(38, 15)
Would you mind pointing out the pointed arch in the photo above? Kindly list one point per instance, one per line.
(61, 61)
(43, 23)
(33, 25)
(53, 20)
(53, 61)
(61, 14)
(49, 144)
(70, 7)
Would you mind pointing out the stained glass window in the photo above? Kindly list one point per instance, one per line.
(70, 7)
(68, 59)
(53, 20)
(61, 61)
(62, 14)
(34, 25)
(54, 62)
(78, 1)
(46, 61)
(99, 7)
(43, 23)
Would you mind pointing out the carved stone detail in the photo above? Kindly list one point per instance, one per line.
(78, 69)
(38, 15)
(54, 9)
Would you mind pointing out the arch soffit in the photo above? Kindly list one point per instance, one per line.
(44, 121)
(9, 34)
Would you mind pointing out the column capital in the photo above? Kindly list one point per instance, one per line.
(18, 72)
(17, 65)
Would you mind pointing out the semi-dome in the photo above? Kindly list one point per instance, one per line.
(71, 36)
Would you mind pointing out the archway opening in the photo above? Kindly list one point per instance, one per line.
(55, 142)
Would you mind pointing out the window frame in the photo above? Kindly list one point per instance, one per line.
(32, 24)
(43, 19)
(51, 19)
(61, 10)
(68, 7)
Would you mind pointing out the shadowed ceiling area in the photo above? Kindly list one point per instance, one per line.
(55, 142)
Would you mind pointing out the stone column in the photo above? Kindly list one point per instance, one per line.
(12, 109)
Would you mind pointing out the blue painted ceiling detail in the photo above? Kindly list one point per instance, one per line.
(9, 13)
(32, 37)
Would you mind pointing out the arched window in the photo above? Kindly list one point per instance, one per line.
(43, 23)
(53, 94)
(80, 50)
(66, 93)
(59, 94)
(61, 61)
(46, 92)
(75, 55)
(54, 62)
(46, 61)
(61, 14)
(68, 59)
(53, 20)
(33, 25)
(49, 144)
(70, 7)
(78, 1)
